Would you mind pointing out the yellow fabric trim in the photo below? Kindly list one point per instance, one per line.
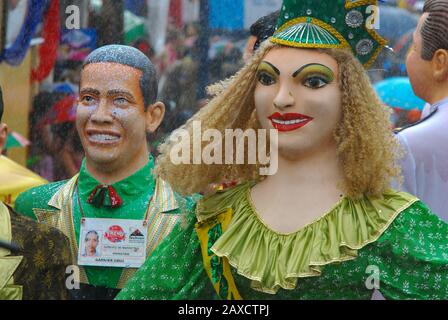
(63, 220)
(11, 292)
(8, 265)
(382, 43)
(202, 229)
(354, 4)
(5, 228)
(320, 23)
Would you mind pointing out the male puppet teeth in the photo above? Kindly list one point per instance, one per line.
(103, 138)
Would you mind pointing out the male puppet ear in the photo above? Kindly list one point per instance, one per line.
(3, 135)
(440, 65)
(154, 116)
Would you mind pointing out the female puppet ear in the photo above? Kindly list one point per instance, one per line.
(154, 116)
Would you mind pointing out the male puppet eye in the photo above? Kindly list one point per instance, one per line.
(315, 82)
(87, 99)
(265, 79)
(121, 101)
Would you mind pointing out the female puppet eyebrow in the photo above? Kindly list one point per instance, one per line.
(271, 66)
(296, 73)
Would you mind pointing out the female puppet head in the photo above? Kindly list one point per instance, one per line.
(308, 84)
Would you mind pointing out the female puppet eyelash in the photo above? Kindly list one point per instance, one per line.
(320, 76)
(271, 79)
(315, 82)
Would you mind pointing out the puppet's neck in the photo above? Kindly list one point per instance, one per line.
(300, 192)
(115, 172)
(319, 168)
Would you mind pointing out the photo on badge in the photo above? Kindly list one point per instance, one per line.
(91, 244)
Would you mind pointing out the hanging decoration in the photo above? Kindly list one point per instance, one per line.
(15, 52)
(49, 49)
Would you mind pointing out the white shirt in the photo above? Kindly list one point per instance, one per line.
(425, 165)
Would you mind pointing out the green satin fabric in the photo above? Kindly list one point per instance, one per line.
(273, 260)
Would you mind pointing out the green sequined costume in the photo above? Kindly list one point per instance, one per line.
(58, 205)
(335, 257)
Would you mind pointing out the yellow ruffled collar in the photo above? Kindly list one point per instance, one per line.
(273, 260)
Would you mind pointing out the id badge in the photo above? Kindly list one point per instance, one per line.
(112, 243)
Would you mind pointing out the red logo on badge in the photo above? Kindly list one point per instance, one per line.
(115, 234)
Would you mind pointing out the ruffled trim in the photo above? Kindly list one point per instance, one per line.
(273, 260)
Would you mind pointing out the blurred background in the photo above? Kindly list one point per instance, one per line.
(193, 43)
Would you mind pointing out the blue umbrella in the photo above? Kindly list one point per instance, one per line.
(397, 93)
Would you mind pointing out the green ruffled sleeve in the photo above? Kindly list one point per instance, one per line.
(174, 271)
(412, 256)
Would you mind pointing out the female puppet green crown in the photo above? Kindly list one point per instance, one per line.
(331, 24)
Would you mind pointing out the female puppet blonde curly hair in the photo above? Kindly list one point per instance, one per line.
(366, 146)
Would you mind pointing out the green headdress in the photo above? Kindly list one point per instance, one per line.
(331, 24)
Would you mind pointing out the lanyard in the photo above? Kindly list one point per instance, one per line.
(83, 219)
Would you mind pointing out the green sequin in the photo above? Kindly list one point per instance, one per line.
(216, 267)
(223, 288)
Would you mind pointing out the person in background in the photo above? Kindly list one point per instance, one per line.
(260, 31)
(425, 165)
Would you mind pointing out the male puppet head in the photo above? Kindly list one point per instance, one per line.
(117, 107)
(427, 62)
(3, 127)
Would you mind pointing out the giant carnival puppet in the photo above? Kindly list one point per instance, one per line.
(425, 166)
(115, 212)
(33, 257)
(326, 225)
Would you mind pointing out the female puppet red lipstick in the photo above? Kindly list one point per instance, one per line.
(289, 121)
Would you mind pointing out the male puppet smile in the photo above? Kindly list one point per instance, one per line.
(103, 137)
(289, 121)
